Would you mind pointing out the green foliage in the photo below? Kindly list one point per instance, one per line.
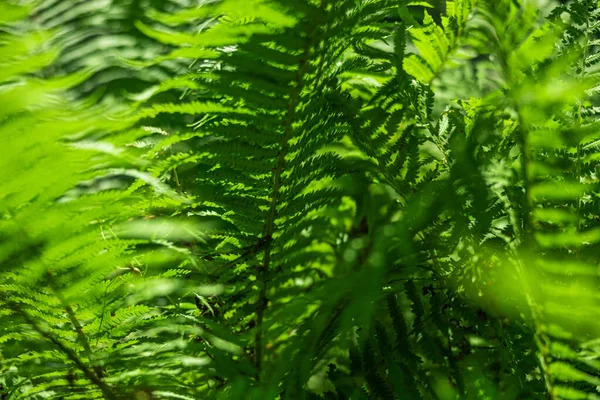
(272, 199)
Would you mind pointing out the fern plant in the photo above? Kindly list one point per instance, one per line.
(268, 199)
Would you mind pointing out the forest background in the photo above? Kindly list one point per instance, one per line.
(299, 199)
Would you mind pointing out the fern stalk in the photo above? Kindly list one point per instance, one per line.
(78, 328)
(278, 170)
(91, 375)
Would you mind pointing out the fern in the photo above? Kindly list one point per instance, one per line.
(294, 200)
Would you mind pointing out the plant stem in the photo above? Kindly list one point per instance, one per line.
(269, 227)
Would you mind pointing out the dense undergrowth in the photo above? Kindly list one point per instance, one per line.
(299, 199)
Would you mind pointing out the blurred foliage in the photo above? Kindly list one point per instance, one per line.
(277, 199)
